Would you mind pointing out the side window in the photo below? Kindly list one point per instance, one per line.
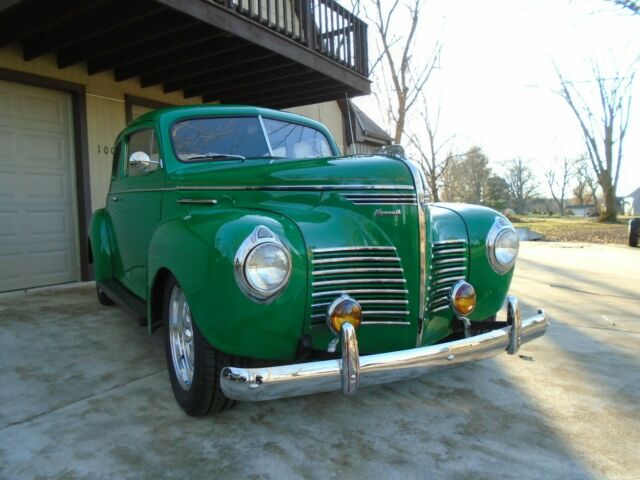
(143, 156)
(115, 168)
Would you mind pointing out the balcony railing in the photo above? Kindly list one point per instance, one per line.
(320, 25)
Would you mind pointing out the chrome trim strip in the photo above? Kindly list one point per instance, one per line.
(325, 261)
(450, 260)
(268, 383)
(368, 312)
(449, 270)
(421, 196)
(447, 242)
(439, 309)
(266, 137)
(327, 283)
(353, 249)
(198, 201)
(451, 250)
(376, 322)
(338, 271)
(368, 302)
(141, 190)
(295, 187)
(365, 290)
(450, 279)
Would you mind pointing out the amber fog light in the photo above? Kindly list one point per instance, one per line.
(344, 310)
(463, 298)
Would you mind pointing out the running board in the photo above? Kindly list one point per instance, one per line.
(131, 304)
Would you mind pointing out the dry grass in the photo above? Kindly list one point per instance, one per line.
(577, 229)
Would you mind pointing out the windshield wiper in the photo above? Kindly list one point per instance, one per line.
(268, 157)
(215, 156)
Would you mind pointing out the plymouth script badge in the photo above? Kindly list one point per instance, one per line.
(386, 213)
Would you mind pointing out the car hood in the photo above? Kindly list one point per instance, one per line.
(352, 172)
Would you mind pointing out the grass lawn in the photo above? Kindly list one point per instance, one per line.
(577, 229)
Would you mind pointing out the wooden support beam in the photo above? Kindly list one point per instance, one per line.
(283, 95)
(178, 57)
(158, 47)
(253, 82)
(97, 21)
(27, 18)
(124, 38)
(234, 69)
(226, 52)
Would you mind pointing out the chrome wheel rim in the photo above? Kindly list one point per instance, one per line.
(181, 337)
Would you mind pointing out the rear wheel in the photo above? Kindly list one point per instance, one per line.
(194, 365)
(102, 297)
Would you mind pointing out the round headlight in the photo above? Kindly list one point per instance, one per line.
(502, 245)
(507, 245)
(267, 268)
(262, 265)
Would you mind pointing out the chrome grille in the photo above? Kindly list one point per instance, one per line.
(381, 198)
(448, 265)
(371, 275)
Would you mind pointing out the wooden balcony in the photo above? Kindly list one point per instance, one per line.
(276, 53)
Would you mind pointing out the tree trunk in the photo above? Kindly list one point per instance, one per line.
(610, 213)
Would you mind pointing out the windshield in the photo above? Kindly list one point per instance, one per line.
(229, 138)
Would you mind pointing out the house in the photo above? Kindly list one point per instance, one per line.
(362, 135)
(632, 203)
(74, 72)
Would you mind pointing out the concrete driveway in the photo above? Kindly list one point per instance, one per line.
(85, 393)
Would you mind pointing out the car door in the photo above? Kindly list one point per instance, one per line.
(136, 196)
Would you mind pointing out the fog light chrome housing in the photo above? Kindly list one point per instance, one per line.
(463, 298)
(344, 309)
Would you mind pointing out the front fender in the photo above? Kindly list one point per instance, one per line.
(491, 287)
(102, 244)
(199, 249)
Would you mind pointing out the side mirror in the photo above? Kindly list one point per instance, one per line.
(137, 158)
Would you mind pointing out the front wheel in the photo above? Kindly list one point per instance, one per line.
(194, 365)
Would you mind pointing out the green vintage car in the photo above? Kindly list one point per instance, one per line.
(279, 268)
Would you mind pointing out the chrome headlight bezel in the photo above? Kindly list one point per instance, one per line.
(259, 238)
(501, 227)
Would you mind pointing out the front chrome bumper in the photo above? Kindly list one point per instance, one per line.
(352, 371)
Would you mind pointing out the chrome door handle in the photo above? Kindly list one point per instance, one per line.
(115, 199)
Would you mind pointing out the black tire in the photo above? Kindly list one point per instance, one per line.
(102, 297)
(634, 230)
(204, 395)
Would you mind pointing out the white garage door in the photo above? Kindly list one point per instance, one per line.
(38, 240)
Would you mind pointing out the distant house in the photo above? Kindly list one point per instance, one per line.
(581, 210)
(632, 203)
(362, 135)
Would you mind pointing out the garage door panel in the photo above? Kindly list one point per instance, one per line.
(45, 187)
(43, 225)
(50, 263)
(43, 149)
(9, 180)
(10, 230)
(44, 109)
(38, 239)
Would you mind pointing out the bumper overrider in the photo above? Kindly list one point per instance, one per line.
(353, 371)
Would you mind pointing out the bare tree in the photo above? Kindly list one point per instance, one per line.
(399, 71)
(586, 185)
(430, 151)
(558, 180)
(604, 125)
(522, 183)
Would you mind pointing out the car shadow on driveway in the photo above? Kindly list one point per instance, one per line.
(86, 394)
